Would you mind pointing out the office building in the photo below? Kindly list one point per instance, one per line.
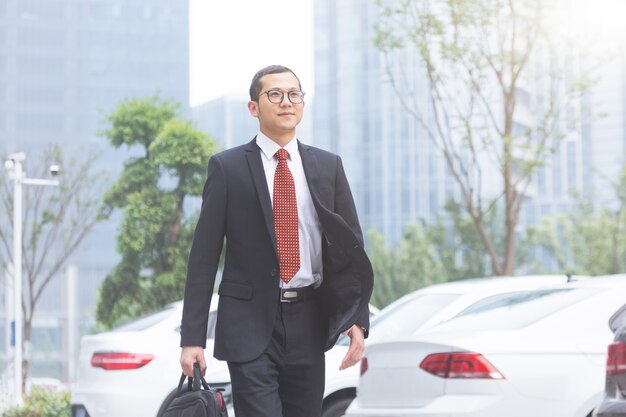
(397, 175)
(228, 121)
(63, 65)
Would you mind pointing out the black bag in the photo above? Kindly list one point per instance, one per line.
(196, 402)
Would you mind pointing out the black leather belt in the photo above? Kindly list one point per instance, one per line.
(292, 295)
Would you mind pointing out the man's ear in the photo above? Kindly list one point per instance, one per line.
(253, 107)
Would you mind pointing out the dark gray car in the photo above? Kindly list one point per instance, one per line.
(614, 402)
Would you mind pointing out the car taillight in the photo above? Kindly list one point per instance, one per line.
(460, 365)
(363, 365)
(616, 359)
(114, 361)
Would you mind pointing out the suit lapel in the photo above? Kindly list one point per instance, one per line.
(311, 172)
(253, 156)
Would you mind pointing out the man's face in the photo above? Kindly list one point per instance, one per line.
(277, 120)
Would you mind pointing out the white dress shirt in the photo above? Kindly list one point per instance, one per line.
(309, 229)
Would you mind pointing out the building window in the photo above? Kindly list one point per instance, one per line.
(38, 65)
(40, 9)
(116, 10)
(41, 94)
(571, 167)
(41, 38)
(40, 122)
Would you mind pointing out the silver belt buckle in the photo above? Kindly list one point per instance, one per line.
(287, 296)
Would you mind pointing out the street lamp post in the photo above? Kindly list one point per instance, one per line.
(14, 166)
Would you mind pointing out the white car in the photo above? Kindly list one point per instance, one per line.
(133, 370)
(416, 312)
(536, 353)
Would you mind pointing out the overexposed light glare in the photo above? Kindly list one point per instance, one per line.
(598, 22)
(231, 40)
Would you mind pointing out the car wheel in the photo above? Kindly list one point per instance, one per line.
(337, 408)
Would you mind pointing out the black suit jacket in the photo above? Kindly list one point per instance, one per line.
(236, 205)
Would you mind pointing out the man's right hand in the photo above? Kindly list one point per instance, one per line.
(190, 355)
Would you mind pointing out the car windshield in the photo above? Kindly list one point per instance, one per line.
(516, 310)
(405, 318)
(145, 322)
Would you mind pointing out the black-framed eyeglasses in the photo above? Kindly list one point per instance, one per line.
(277, 96)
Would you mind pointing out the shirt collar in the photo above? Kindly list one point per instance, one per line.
(269, 147)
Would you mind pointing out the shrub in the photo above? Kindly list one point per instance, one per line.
(42, 403)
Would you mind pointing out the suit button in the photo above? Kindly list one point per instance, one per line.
(274, 273)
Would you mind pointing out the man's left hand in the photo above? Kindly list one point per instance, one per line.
(356, 349)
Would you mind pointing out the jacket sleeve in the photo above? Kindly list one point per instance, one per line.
(204, 257)
(345, 207)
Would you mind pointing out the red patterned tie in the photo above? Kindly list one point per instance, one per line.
(286, 218)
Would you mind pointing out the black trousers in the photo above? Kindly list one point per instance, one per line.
(287, 380)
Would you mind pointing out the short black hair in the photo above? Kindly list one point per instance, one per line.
(255, 86)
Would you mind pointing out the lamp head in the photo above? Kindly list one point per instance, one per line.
(54, 170)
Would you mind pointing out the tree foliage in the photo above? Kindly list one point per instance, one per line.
(55, 221)
(588, 241)
(480, 60)
(410, 264)
(447, 249)
(152, 194)
(43, 403)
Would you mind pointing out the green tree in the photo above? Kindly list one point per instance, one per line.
(412, 263)
(152, 193)
(447, 249)
(43, 403)
(460, 245)
(478, 59)
(588, 241)
(55, 222)
(384, 265)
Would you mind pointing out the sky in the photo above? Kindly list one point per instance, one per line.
(600, 21)
(231, 40)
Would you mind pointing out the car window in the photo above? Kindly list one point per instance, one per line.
(493, 301)
(618, 319)
(145, 322)
(405, 318)
(517, 310)
(210, 332)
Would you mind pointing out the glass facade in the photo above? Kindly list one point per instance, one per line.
(397, 175)
(588, 161)
(63, 65)
(229, 122)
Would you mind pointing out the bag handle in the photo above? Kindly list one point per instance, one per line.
(193, 383)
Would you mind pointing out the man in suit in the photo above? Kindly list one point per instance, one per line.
(295, 274)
